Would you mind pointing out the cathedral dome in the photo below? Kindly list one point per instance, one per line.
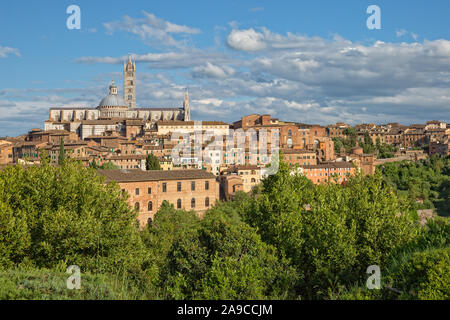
(112, 99)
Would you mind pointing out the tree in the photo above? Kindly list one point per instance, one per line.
(330, 233)
(105, 166)
(66, 215)
(338, 144)
(426, 181)
(62, 153)
(224, 258)
(152, 163)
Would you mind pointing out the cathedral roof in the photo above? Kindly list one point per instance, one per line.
(112, 99)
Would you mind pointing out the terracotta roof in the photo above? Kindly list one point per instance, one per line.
(153, 147)
(106, 137)
(50, 132)
(296, 151)
(128, 157)
(329, 165)
(248, 167)
(154, 175)
(30, 143)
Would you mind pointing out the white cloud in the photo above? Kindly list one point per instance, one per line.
(151, 29)
(293, 77)
(246, 40)
(213, 71)
(6, 51)
(212, 101)
(174, 59)
(256, 9)
(401, 32)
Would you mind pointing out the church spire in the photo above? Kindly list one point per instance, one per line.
(187, 109)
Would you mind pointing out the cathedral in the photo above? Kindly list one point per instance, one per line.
(114, 112)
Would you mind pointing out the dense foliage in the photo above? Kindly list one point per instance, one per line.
(382, 150)
(53, 216)
(287, 240)
(104, 166)
(152, 163)
(426, 183)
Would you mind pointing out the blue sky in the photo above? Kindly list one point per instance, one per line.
(305, 61)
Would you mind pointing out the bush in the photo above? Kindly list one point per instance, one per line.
(423, 275)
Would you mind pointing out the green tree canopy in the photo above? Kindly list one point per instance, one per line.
(152, 163)
(61, 215)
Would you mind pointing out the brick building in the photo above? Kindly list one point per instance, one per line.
(299, 156)
(336, 130)
(194, 190)
(230, 184)
(322, 173)
(6, 152)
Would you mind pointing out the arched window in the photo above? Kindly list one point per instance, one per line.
(253, 180)
(149, 221)
(207, 202)
(179, 204)
(193, 203)
(137, 206)
(150, 206)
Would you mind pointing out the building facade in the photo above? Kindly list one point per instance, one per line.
(194, 190)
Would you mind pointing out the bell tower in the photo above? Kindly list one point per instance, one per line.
(187, 109)
(129, 84)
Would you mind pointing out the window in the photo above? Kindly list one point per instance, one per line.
(150, 206)
(179, 204)
(149, 221)
(206, 185)
(193, 203)
(137, 206)
(179, 186)
(207, 202)
(164, 187)
(193, 185)
(137, 191)
(149, 190)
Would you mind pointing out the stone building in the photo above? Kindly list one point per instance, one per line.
(6, 152)
(325, 172)
(194, 190)
(299, 157)
(230, 184)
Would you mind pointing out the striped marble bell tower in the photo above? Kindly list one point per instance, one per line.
(129, 84)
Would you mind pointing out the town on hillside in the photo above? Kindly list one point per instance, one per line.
(119, 138)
